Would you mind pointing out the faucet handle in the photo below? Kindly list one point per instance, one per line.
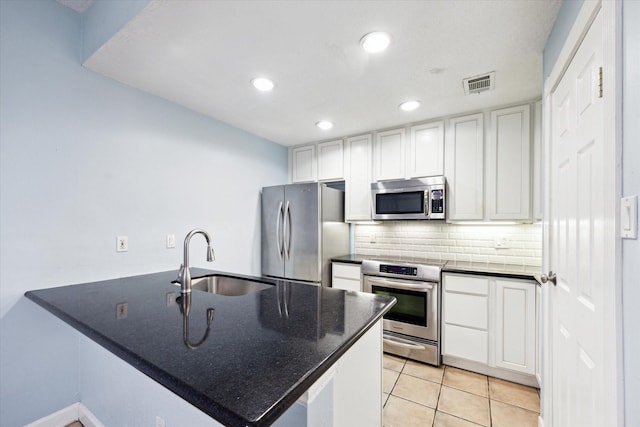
(180, 272)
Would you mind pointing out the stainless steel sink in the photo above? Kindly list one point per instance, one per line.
(227, 285)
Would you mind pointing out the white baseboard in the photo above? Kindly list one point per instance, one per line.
(540, 421)
(65, 416)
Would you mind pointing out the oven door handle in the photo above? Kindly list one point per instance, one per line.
(402, 343)
(422, 286)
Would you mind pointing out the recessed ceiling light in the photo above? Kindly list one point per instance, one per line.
(324, 124)
(263, 84)
(409, 105)
(375, 42)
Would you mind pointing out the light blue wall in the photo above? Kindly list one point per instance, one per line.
(631, 186)
(564, 21)
(84, 159)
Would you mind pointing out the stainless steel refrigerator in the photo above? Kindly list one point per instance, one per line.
(302, 229)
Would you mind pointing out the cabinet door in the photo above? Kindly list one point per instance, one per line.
(357, 197)
(389, 155)
(303, 164)
(508, 164)
(464, 160)
(330, 161)
(515, 328)
(425, 156)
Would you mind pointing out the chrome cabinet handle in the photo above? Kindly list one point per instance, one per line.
(550, 278)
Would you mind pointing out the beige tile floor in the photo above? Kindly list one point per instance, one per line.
(415, 394)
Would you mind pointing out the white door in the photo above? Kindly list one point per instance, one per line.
(577, 242)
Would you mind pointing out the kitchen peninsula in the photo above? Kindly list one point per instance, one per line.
(259, 354)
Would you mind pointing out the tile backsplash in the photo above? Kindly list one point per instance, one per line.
(519, 244)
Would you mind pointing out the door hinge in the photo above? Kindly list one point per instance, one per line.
(600, 83)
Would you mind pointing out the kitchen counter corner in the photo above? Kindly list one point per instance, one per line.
(263, 350)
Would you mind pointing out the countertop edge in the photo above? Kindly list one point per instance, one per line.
(511, 275)
(480, 270)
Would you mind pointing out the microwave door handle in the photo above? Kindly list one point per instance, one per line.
(427, 201)
(423, 286)
(279, 231)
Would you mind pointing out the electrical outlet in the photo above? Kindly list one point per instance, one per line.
(171, 241)
(160, 422)
(121, 310)
(501, 242)
(122, 244)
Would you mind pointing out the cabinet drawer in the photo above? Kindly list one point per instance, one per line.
(466, 284)
(346, 284)
(347, 271)
(466, 310)
(466, 343)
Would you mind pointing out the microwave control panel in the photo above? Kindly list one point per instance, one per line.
(437, 201)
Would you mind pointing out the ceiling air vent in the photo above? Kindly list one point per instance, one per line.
(479, 84)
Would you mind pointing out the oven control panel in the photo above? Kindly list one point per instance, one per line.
(404, 270)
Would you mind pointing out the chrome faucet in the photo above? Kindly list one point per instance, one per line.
(184, 277)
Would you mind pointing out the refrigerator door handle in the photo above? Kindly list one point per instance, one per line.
(286, 234)
(279, 231)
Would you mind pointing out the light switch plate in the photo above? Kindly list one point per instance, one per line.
(629, 217)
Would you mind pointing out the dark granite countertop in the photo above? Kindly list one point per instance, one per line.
(263, 352)
(483, 268)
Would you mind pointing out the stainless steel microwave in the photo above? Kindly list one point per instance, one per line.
(419, 198)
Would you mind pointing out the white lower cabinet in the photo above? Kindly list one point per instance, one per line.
(465, 323)
(346, 276)
(515, 330)
(489, 325)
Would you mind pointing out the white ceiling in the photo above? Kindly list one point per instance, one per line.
(202, 54)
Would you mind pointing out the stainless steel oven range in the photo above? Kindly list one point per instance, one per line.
(412, 326)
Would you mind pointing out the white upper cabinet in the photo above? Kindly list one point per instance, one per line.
(330, 161)
(389, 152)
(303, 164)
(358, 177)
(537, 161)
(508, 164)
(464, 160)
(425, 156)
